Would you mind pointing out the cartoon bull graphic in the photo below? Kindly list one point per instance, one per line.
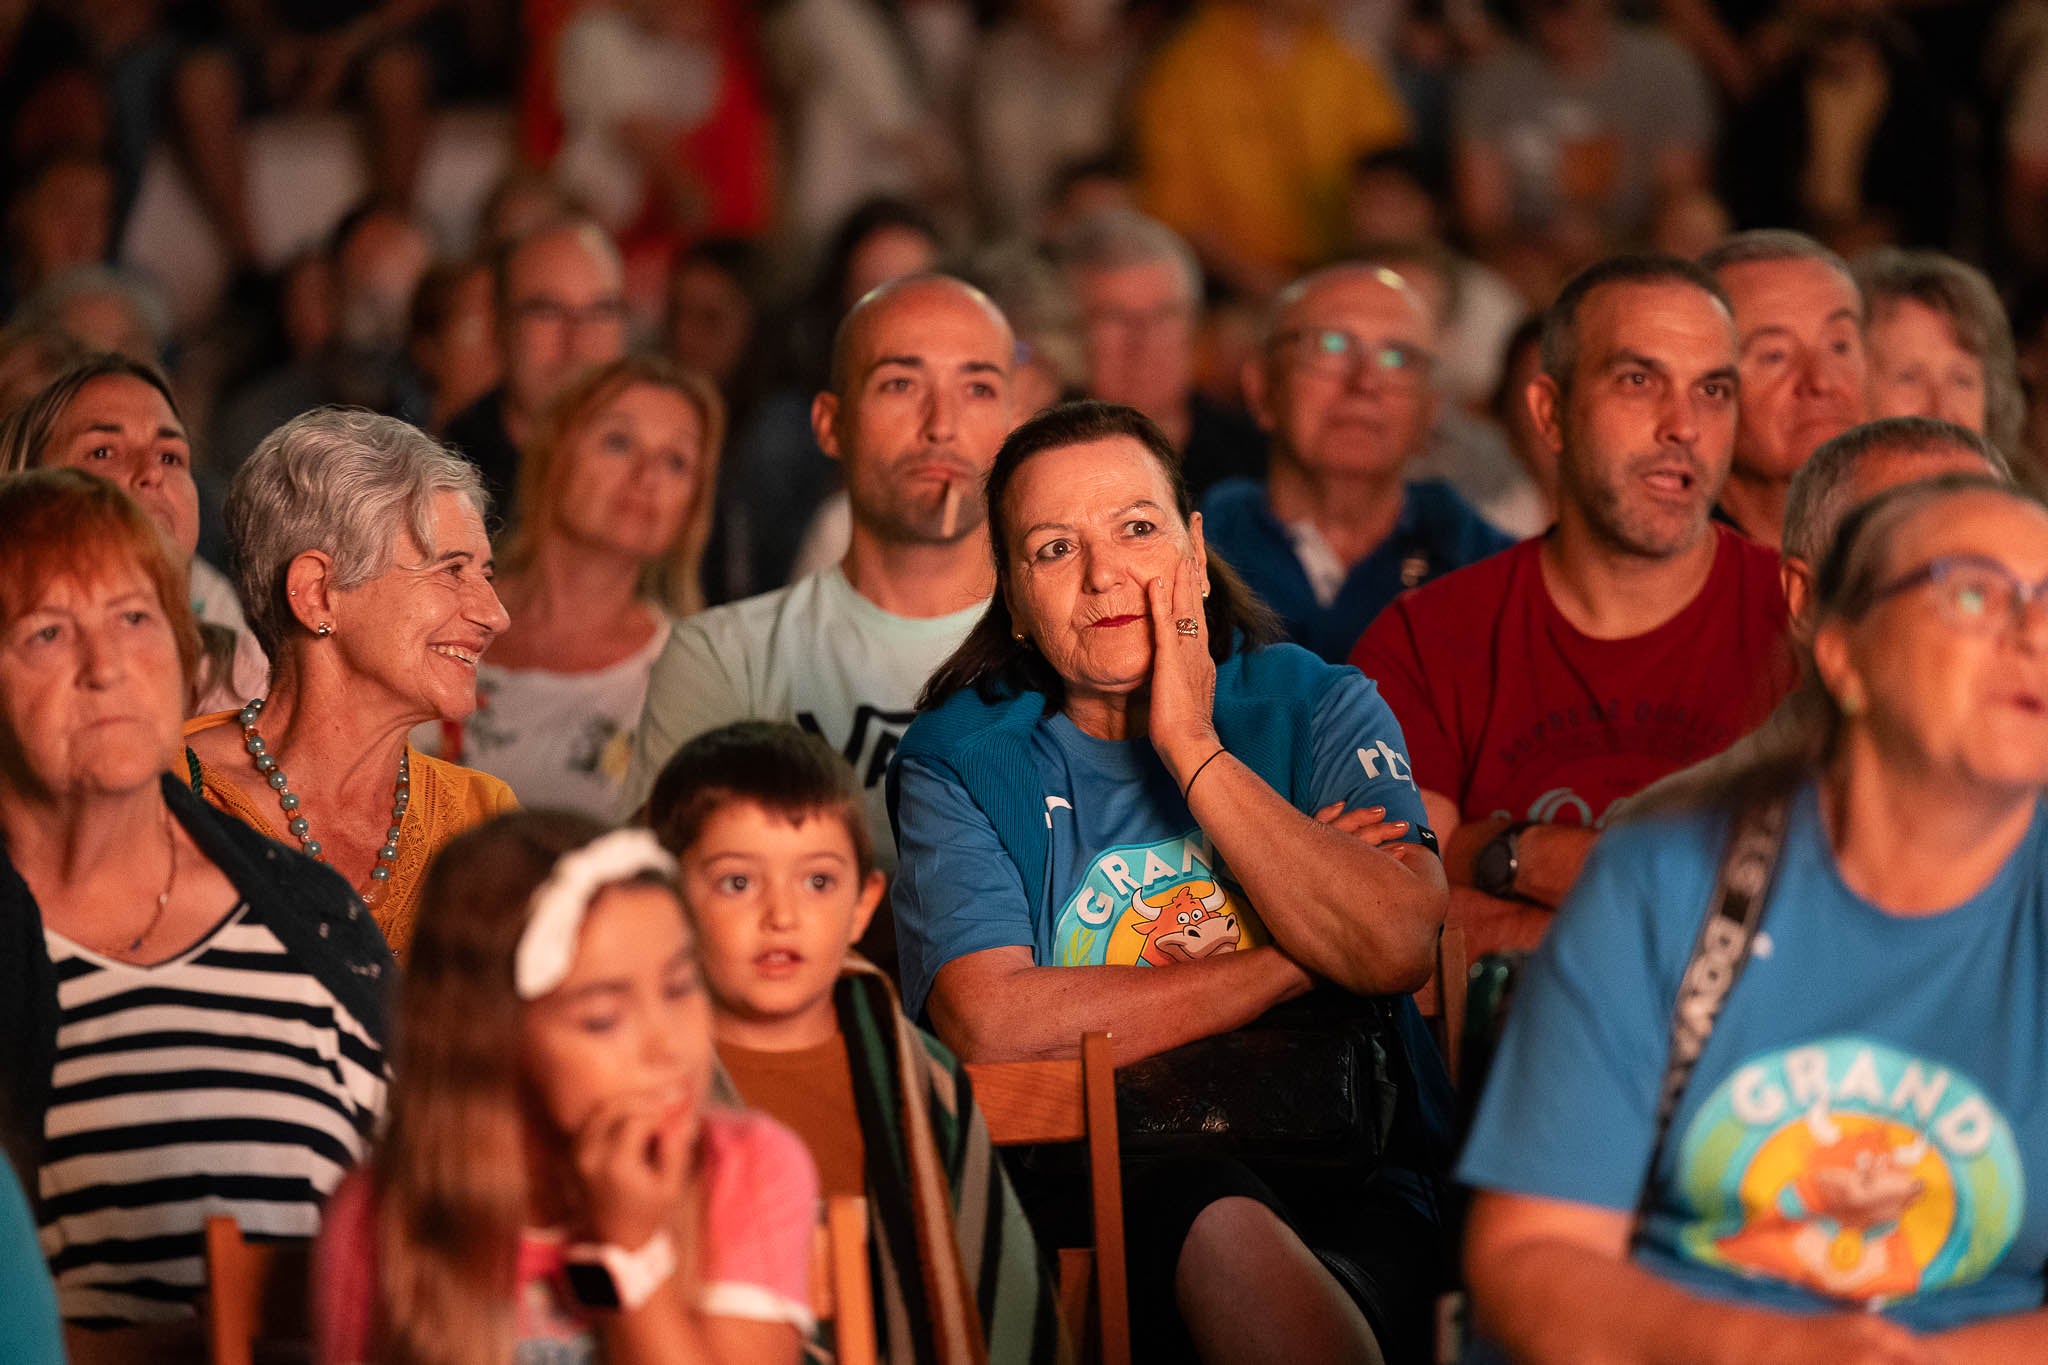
(1187, 927)
(1836, 1228)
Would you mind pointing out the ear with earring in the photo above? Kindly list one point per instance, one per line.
(324, 629)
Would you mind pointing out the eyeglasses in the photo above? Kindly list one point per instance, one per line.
(1140, 319)
(555, 313)
(1334, 353)
(1974, 593)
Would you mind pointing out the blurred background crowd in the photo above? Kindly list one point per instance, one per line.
(294, 202)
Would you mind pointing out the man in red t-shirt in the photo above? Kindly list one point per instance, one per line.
(1541, 686)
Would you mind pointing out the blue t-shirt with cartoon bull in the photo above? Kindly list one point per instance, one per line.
(1863, 1121)
(1133, 879)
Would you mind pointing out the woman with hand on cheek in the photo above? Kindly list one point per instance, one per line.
(553, 1185)
(1123, 809)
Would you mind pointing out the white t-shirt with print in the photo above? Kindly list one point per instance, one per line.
(815, 652)
(560, 740)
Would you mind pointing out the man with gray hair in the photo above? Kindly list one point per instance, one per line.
(1855, 467)
(1140, 291)
(1799, 327)
(1346, 386)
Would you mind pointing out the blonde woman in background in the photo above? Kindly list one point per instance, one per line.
(618, 494)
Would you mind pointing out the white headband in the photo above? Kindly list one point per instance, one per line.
(554, 913)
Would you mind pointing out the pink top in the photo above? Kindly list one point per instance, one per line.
(760, 1205)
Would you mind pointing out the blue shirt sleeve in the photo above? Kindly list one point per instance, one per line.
(956, 891)
(1569, 1110)
(29, 1332)
(1361, 759)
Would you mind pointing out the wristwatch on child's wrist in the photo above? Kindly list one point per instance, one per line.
(1499, 860)
(617, 1280)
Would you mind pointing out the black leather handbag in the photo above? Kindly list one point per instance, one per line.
(1317, 1089)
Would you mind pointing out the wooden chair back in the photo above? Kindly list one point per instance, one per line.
(842, 1292)
(1442, 997)
(256, 1296)
(1035, 1103)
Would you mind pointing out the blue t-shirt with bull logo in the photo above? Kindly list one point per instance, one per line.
(1867, 1118)
(1133, 879)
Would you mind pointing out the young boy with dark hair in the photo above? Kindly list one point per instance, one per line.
(779, 875)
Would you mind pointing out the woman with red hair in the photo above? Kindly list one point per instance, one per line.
(195, 1016)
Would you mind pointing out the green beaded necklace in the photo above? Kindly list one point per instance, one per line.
(295, 820)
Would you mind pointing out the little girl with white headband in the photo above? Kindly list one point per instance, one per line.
(553, 1188)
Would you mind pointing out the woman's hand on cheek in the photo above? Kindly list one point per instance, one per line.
(1182, 716)
(633, 1157)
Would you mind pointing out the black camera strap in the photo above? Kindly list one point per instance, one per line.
(1735, 912)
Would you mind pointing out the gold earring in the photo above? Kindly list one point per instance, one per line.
(324, 629)
(1851, 705)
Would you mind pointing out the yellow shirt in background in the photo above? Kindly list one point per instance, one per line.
(1253, 148)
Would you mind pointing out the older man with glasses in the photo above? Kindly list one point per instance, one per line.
(1344, 388)
(559, 293)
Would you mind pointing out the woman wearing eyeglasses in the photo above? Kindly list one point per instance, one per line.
(1849, 1161)
(1336, 531)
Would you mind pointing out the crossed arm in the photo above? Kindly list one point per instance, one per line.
(1363, 916)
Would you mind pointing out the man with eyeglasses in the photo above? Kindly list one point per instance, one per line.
(1540, 688)
(1139, 288)
(1344, 388)
(560, 298)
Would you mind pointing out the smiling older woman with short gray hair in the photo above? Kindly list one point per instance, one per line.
(366, 573)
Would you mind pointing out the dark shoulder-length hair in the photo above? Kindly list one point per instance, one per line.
(991, 660)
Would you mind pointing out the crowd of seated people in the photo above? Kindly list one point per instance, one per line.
(536, 761)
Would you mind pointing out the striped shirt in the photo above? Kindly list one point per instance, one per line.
(226, 1080)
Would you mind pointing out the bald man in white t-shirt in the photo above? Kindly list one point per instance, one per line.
(918, 404)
